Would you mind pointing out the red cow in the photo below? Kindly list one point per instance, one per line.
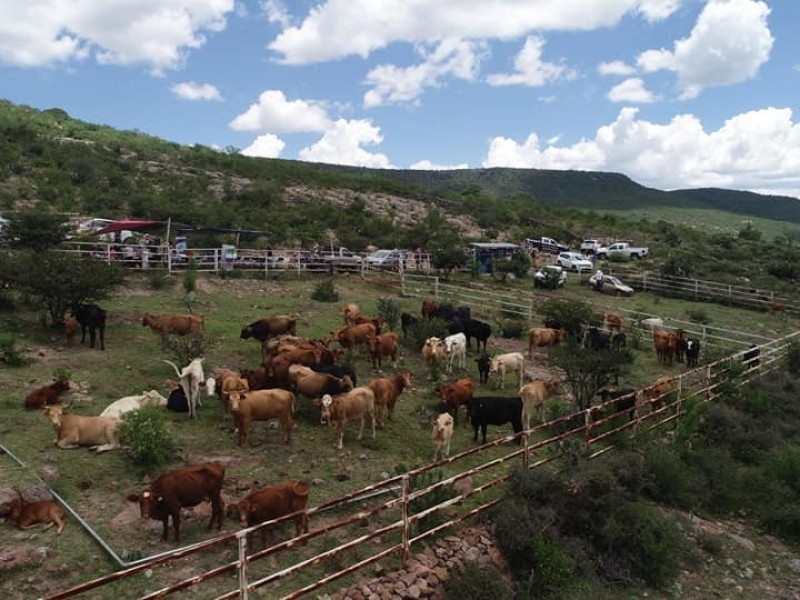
(457, 394)
(188, 486)
(387, 390)
(428, 308)
(383, 345)
(274, 502)
(49, 394)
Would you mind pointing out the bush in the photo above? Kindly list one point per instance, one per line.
(157, 280)
(186, 348)
(698, 315)
(422, 330)
(10, 354)
(477, 582)
(389, 311)
(325, 292)
(512, 329)
(148, 434)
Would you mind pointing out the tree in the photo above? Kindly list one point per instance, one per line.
(35, 230)
(571, 315)
(518, 265)
(588, 371)
(56, 280)
(447, 258)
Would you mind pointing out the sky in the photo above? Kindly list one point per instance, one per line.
(672, 93)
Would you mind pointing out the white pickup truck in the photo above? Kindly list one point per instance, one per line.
(622, 249)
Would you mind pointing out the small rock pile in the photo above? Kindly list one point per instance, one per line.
(425, 574)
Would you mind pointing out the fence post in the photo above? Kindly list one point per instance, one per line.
(587, 424)
(436, 288)
(403, 283)
(644, 282)
(404, 510)
(243, 593)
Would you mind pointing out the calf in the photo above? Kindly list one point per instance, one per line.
(597, 340)
(355, 404)
(657, 392)
(428, 309)
(92, 318)
(350, 312)
(387, 391)
(177, 400)
(70, 329)
(441, 434)
(458, 393)
(495, 410)
(664, 343)
(534, 397)
(612, 321)
(262, 405)
(455, 349)
(692, 352)
(188, 486)
(73, 431)
(274, 502)
(473, 328)
(383, 345)
(407, 321)
(752, 357)
(129, 403)
(681, 344)
(484, 365)
(29, 514)
(46, 395)
(510, 362)
(180, 324)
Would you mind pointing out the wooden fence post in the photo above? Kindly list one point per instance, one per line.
(242, 567)
(406, 526)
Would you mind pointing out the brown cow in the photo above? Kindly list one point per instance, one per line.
(227, 382)
(180, 324)
(612, 321)
(458, 393)
(387, 391)
(350, 312)
(433, 350)
(354, 335)
(188, 486)
(428, 308)
(657, 392)
(378, 322)
(543, 336)
(264, 329)
(29, 514)
(338, 410)
(664, 342)
(383, 345)
(308, 382)
(534, 397)
(70, 329)
(262, 405)
(274, 502)
(46, 395)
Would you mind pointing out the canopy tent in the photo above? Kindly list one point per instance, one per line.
(132, 226)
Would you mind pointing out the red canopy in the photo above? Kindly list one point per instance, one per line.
(131, 226)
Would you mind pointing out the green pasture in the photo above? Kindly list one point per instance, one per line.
(97, 485)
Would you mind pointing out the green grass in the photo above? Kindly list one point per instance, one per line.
(97, 485)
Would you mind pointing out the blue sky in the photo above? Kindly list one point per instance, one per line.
(673, 93)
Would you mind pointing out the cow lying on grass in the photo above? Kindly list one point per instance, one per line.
(129, 403)
(29, 514)
(73, 431)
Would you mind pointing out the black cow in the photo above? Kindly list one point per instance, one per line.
(93, 318)
(407, 321)
(692, 352)
(752, 356)
(473, 328)
(681, 344)
(618, 341)
(177, 400)
(456, 325)
(464, 313)
(597, 340)
(484, 364)
(446, 311)
(337, 371)
(626, 400)
(495, 410)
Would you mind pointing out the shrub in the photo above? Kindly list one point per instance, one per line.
(422, 330)
(698, 315)
(148, 434)
(325, 292)
(512, 329)
(477, 582)
(389, 311)
(157, 280)
(186, 348)
(10, 354)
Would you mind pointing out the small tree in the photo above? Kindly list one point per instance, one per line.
(36, 230)
(448, 258)
(570, 315)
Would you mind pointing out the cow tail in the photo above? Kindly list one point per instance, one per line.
(174, 366)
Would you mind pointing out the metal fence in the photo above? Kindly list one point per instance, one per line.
(397, 526)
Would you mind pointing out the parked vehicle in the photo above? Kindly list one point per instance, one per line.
(590, 246)
(574, 261)
(549, 277)
(608, 284)
(342, 259)
(545, 244)
(386, 259)
(622, 249)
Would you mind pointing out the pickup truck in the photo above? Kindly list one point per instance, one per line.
(546, 244)
(622, 249)
(342, 260)
(590, 246)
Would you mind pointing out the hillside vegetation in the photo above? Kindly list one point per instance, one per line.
(70, 166)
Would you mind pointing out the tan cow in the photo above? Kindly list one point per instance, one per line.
(543, 336)
(387, 390)
(350, 312)
(383, 345)
(29, 514)
(433, 350)
(73, 431)
(180, 324)
(511, 362)
(534, 398)
(441, 434)
(262, 405)
(353, 336)
(355, 404)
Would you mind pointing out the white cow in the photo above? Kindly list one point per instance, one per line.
(129, 403)
(190, 378)
(507, 363)
(441, 434)
(455, 347)
(652, 323)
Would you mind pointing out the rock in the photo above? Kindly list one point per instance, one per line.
(6, 496)
(35, 493)
(794, 565)
(414, 592)
(49, 473)
(743, 542)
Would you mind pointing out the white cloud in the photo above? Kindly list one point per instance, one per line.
(265, 146)
(757, 150)
(631, 90)
(276, 12)
(155, 33)
(393, 84)
(336, 28)
(727, 45)
(426, 165)
(189, 90)
(616, 67)
(273, 113)
(530, 69)
(341, 145)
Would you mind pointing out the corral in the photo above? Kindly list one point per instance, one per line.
(367, 467)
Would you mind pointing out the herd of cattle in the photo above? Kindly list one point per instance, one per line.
(294, 367)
